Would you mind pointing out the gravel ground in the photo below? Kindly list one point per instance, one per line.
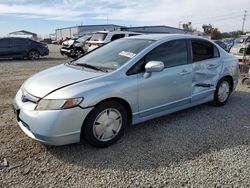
(203, 146)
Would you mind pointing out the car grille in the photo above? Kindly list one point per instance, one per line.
(245, 51)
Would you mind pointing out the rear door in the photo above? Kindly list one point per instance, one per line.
(20, 47)
(5, 47)
(206, 68)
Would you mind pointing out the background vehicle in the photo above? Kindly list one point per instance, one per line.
(14, 47)
(127, 81)
(242, 49)
(222, 45)
(101, 38)
(75, 48)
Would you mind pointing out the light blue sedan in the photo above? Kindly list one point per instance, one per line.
(128, 81)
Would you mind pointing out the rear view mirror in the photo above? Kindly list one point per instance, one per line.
(153, 66)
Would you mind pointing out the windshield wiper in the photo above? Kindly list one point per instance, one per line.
(91, 67)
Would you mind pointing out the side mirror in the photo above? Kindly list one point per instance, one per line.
(241, 40)
(153, 66)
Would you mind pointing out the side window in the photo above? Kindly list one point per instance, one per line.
(203, 50)
(173, 53)
(133, 34)
(19, 41)
(117, 36)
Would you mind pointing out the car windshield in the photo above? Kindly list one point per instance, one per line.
(81, 39)
(240, 40)
(98, 37)
(115, 54)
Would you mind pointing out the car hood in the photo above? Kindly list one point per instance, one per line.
(68, 42)
(47, 81)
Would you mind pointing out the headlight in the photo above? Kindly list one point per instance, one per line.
(58, 104)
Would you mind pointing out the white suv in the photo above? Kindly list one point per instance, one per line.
(103, 37)
(242, 50)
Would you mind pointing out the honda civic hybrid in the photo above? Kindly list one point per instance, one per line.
(128, 81)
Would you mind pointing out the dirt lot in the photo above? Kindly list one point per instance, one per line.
(203, 146)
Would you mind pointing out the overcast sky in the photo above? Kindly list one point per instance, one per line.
(44, 16)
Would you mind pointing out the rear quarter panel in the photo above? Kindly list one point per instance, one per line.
(230, 67)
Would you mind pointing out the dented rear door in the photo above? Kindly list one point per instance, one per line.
(207, 66)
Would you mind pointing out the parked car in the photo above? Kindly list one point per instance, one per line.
(15, 47)
(101, 38)
(127, 81)
(75, 48)
(221, 44)
(242, 49)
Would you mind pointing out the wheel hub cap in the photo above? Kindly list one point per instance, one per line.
(107, 124)
(224, 91)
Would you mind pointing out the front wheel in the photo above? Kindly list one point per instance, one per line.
(105, 124)
(222, 92)
(77, 53)
(33, 55)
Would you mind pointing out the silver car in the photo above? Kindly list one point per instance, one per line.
(242, 49)
(125, 82)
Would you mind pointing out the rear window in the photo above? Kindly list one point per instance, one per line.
(117, 36)
(203, 50)
(98, 37)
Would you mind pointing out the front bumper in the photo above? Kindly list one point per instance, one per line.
(65, 51)
(242, 57)
(44, 51)
(55, 127)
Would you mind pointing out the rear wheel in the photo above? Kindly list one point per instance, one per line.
(105, 124)
(222, 92)
(33, 55)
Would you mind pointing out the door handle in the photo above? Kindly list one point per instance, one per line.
(184, 72)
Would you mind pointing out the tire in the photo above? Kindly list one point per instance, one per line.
(246, 81)
(33, 55)
(105, 124)
(78, 53)
(222, 92)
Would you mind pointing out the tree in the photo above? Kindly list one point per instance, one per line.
(207, 29)
(187, 26)
(236, 34)
(214, 33)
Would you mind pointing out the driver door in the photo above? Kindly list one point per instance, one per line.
(169, 88)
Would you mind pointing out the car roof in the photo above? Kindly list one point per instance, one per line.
(166, 36)
(116, 32)
(22, 38)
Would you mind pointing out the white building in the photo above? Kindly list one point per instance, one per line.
(80, 30)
